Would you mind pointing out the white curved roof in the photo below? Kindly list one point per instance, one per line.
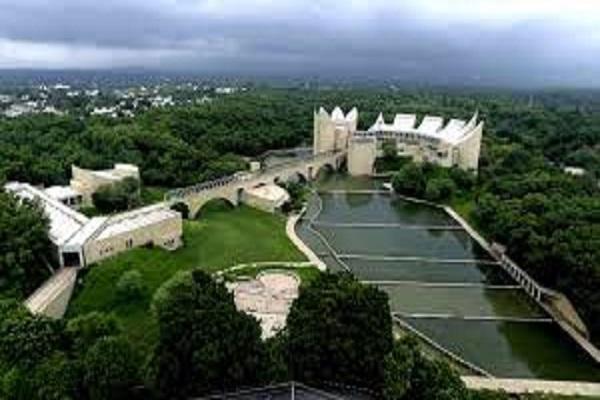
(430, 125)
(453, 132)
(405, 121)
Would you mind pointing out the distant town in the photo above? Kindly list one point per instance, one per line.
(63, 98)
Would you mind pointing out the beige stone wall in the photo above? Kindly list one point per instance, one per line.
(324, 133)
(87, 182)
(362, 153)
(259, 202)
(165, 234)
(331, 135)
(469, 149)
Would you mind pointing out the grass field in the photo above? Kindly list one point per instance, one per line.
(221, 238)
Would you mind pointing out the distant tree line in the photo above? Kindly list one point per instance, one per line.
(188, 144)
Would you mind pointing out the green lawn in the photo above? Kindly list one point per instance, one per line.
(221, 238)
(152, 194)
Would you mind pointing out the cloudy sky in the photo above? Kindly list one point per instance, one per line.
(489, 41)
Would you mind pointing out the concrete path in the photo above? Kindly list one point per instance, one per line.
(471, 317)
(261, 264)
(368, 257)
(443, 284)
(389, 225)
(52, 298)
(522, 386)
(290, 229)
(362, 191)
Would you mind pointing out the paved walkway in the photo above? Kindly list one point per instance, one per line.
(521, 386)
(368, 257)
(290, 229)
(442, 284)
(471, 317)
(52, 298)
(389, 225)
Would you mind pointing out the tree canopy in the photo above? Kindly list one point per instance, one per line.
(205, 344)
(25, 249)
(339, 330)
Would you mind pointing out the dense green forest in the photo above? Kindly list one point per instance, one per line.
(184, 145)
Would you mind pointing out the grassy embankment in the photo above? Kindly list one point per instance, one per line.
(222, 237)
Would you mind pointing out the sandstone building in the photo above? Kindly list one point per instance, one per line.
(455, 143)
(81, 241)
(87, 182)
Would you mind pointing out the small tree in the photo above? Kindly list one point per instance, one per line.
(111, 369)
(410, 180)
(131, 285)
(389, 150)
(87, 329)
(26, 339)
(409, 375)
(26, 246)
(439, 189)
(398, 366)
(58, 378)
(120, 196)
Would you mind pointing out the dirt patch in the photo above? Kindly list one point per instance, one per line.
(268, 298)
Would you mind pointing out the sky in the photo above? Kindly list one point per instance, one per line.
(488, 42)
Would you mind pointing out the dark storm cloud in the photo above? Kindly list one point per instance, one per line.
(486, 41)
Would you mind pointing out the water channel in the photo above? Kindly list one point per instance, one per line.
(439, 281)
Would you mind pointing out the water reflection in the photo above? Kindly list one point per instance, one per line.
(445, 258)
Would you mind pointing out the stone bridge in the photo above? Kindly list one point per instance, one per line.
(232, 187)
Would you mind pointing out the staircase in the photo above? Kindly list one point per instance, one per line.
(52, 298)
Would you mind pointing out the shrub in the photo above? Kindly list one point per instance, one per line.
(131, 286)
(120, 196)
(111, 369)
(439, 189)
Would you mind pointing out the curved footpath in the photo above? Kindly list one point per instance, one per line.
(290, 229)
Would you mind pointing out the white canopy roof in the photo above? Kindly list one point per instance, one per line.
(64, 221)
(453, 132)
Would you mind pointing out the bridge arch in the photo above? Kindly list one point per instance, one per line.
(197, 207)
(325, 168)
(182, 208)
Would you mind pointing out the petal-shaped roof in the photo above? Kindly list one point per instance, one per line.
(337, 114)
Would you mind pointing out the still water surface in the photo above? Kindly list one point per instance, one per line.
(433, 272)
